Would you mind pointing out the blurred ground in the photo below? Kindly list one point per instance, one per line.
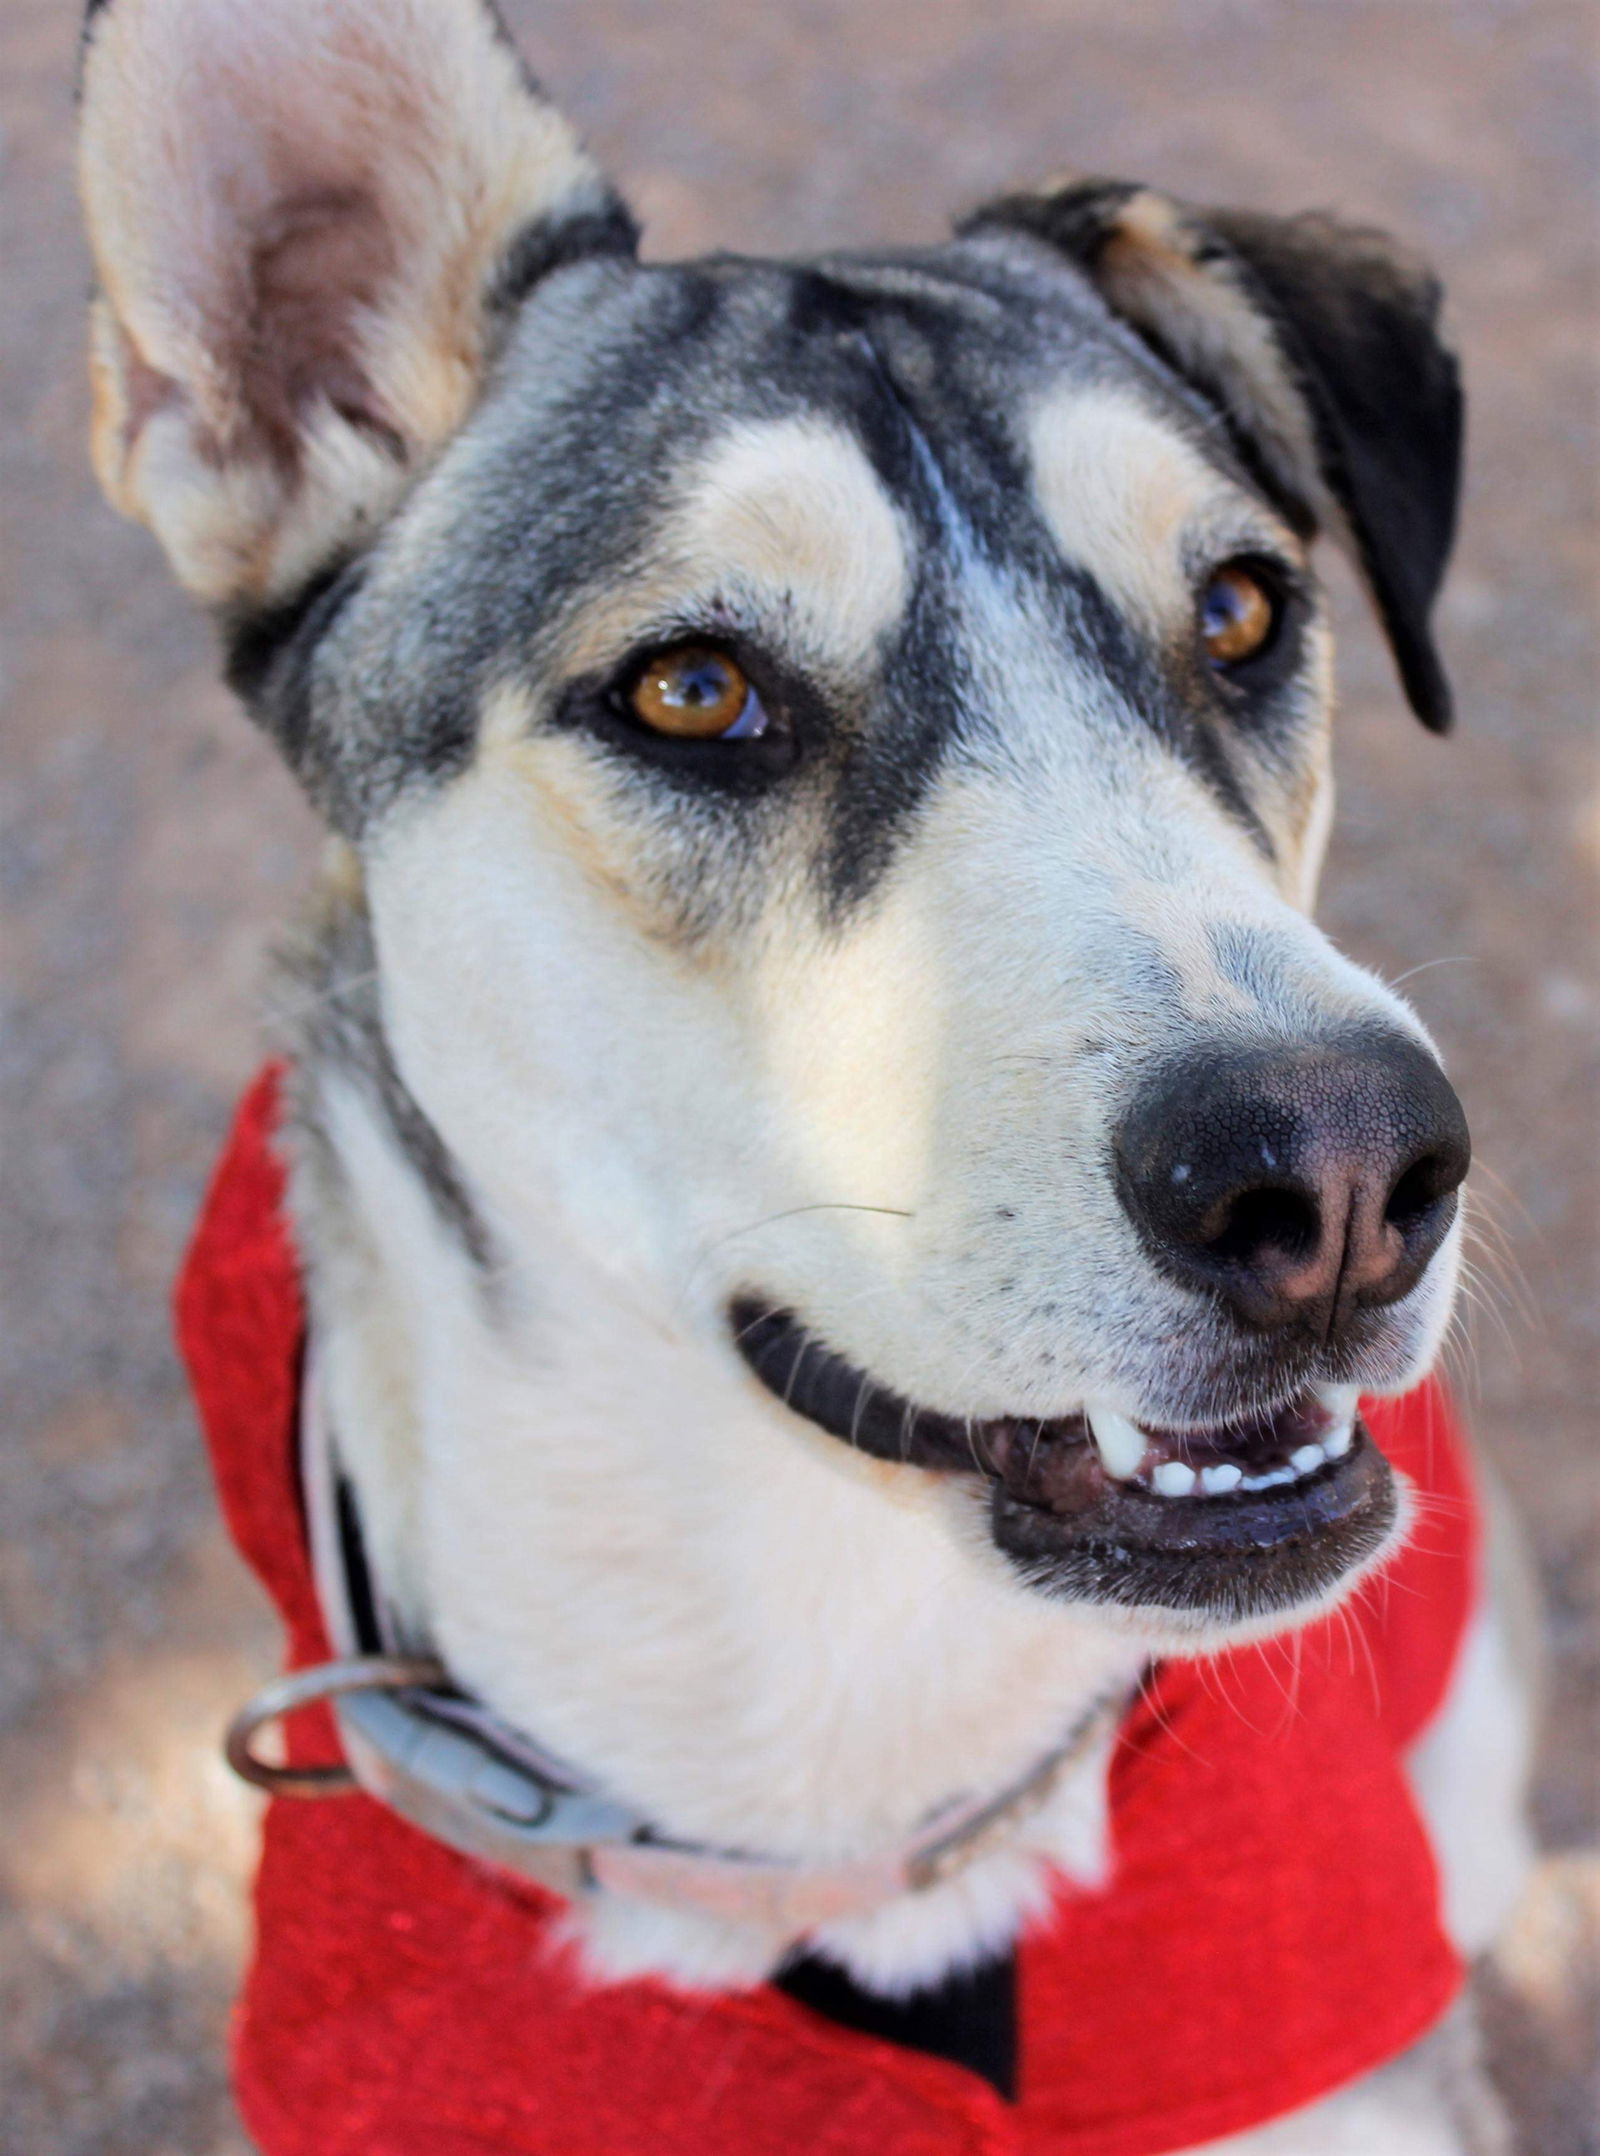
(151, 847)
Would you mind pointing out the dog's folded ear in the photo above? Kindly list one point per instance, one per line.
(311, 220)
(1319, 344)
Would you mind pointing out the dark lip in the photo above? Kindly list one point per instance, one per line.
(1067, 1525)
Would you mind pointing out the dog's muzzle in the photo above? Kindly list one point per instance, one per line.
(1296, 1193)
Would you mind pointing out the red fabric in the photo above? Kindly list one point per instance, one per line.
(1271, 1930)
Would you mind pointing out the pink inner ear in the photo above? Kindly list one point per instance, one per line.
(291, 199)
(296, 209)
(310, 150)
(318, 261)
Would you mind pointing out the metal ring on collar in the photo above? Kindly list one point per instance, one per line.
(306, 1688)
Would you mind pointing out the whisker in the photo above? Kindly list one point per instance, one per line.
(969, 1426)
(794, 1212)
(1466, 958)
(708, 1249)
(794, 1374)
(1038, 1440)
(745, 1331)
(1505, 1193)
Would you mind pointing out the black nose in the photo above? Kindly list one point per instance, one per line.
(1300, 1184)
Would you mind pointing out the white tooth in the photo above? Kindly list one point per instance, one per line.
(1173, 1478)
(1306, 1459)
(1218, 1481)
(1338, 1442)
(1269, 1481)
(1120, 1443)
(1339, 1400)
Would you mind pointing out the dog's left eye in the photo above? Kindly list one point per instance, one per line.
(1239, 615)
(696, 693)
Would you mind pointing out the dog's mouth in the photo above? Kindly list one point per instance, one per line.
(1232, 1522)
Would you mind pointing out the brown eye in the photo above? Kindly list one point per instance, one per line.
(1237, 615)
(698, 694)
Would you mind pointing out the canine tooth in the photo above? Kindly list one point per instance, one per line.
(1218, 1481)
(1338, 1442)
(1339, 1400)
(1306, 1459)
(1120, 1444)
(1174, 1478)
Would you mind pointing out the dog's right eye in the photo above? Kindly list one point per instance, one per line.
(694, 692)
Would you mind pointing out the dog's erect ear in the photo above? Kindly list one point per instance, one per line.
(1319, 342)
(310, 220)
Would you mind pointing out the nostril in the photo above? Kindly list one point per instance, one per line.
(1417, 1190)
(1261, 1220)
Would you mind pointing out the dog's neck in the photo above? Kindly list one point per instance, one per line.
(760, 1639)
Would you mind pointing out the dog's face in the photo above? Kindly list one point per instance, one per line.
(839, 757)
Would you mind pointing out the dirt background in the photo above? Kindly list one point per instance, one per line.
(151, 848)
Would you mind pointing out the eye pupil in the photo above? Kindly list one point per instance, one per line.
(1237, 616)
(698, 684)
(696, 693)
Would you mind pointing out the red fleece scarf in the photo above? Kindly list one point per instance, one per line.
(1272, 1928)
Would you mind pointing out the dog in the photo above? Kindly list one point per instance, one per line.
(844, 1204)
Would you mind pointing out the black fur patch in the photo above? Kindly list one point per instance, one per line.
(1361, 329)
(552, 243)
(268, 654)
(888, 768)
(969, 2019)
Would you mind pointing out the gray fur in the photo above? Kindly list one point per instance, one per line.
(328, 1003)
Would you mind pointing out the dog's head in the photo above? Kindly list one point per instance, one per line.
(839, 757)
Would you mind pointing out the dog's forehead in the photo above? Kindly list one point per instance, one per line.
(815, 428)
(933, 365)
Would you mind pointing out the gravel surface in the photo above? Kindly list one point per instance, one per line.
(151, 848)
